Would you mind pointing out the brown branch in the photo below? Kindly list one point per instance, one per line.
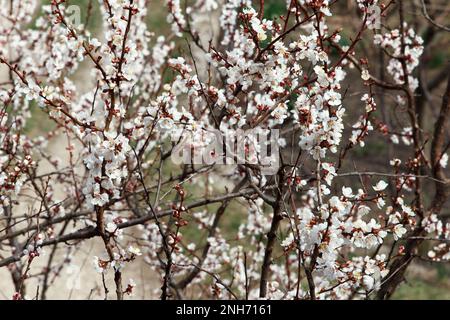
(271, 236)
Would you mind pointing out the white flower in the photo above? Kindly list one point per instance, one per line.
(368, 282)
(117, 40)
(399, 231)
(111, 227)
(380, 202)
(95, 43)
(365, 75)
(333, 98)
(444, 160)
(100, 265)
(281, 112)
(380, 186)
(359, 240)
(32, 91)
(363, 210)
(322, 77)
(394, 139)
(288, 241)
(347, 192)
(262, 36)
(135, 251)
(395, 162)
(330, 172)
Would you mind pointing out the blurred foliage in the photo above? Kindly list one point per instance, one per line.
(274, 8)
(40, 121)
(437, 60)
(421, 290)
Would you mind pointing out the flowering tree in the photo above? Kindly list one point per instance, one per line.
(300, 219)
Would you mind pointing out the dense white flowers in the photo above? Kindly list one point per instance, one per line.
(412, 50)
(146, 93)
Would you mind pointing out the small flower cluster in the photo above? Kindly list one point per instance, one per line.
(411, 49)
